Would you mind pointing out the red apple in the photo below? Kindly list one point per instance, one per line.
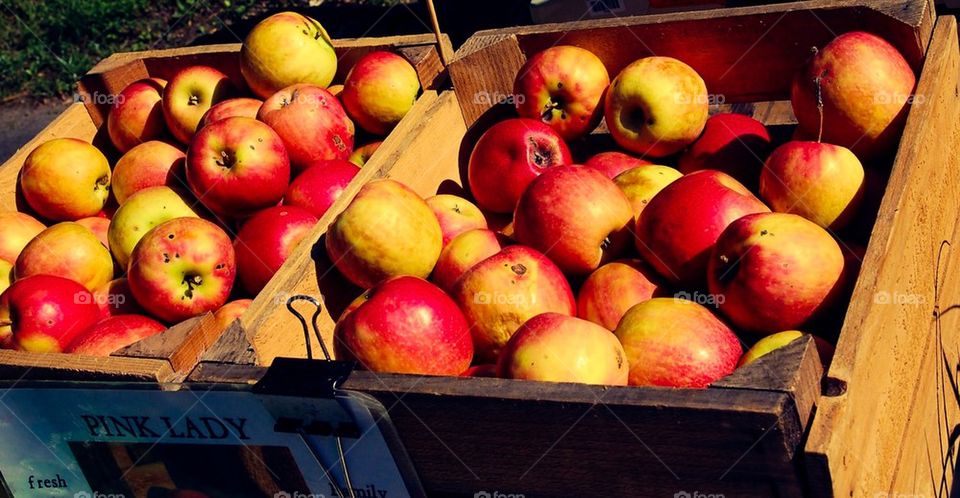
(484, 370)
(189, 94)
(230, 108)
(230, 312)
(462, 253)
(508, 157)
(114, 298)
(613, 163)
(558, 348)
(43, 313)
(237, 166)
(312, 124)
(137, 114)
(111, 334)
(405, 325)
(150, 164)
(732, 143)
(386, 231)
(576, 216)
(65, 179)
(320, 185)
(363, 154)
(676, 343)
(505, 290)
(182, 268)
(680, 225)
(562, 86)
(266, 240)
(775, 271)
(614, 288)
(866, 87)
(456, 215)
(824, 183)
(16, 229)
(98, 226)
(68, 250)
(379, 90)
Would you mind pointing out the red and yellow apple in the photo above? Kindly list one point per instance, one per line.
(642, 183)
(614, 288)
(150, 164)
(141, 212)
(456, 215)
(189, 95)
(44, 313)
(612, 163)
(320, 185)
(231, 108)
(99, 226)
(732, 143)
(230, 312)
(778, 340)
(16, 229)
(114, 298)
(113, 333)
(67, 250)
(462, 253)
(137, 114)
(6, 274)
(379, 90)
(284, 49)
(266, 240)
(363, 154)
(65, 179)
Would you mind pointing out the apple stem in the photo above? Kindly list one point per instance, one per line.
(194, 100)
(6, 323)
(817, 83)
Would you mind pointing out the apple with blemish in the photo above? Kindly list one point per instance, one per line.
(775, 271)
(189, 95)
(456, 215)
(462, 253)
(150, 164)
(680, 225)
(732, 143)
(16, 230)
(44, 313)
(576, 216)
(284, 49)
(114, 298)
(379, 91)
(141, 212)
(320, 185)
(563, 87)
(114, 333)
(613, 163)
(676, 343)
(505, 290)
(266, 240)
(312, 124)
(824, 183)
(656, 106)
(68, 250)
(182, 268)
(508, 156)
(642, 183)
(237, 166)
(137, 114)
(405, 325)
(65, 179)
(241, 106)
(614, 288)
(363, 154)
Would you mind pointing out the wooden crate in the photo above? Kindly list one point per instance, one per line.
(884, 421)
(173, 354)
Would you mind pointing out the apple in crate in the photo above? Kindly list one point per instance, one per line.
(613, 163)
(614, 288)
(776, 341)
(680, 225)
(44, 313)
(114, 333)
(563, 87)
(68, 250)
(284, 49)
(137, 114)
(182, 268)
(732, 143)
(775, 271)
(237, 166)
(65, 179)
(456, 215)
(656, 106)
(379, 90)
(6, 274)
(150, 164)
(363, 154)
(642, 183)
(676, 343)
(114, 298)
(312, 124)
(508, 156)
(16, 230)
(141, 212)
(576, 216)
(98, 226)
(386, 231)
(230, 312)
(189, 95)
(231, 108)
(320, 185)
(462, 253)
(824, 183)
(505, 290)
(405, 325)
(266, 240)
(866, 87)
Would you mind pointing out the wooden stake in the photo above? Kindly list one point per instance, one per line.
(436, 31)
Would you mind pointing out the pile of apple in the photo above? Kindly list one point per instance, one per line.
(212, 185)
(651, 265)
